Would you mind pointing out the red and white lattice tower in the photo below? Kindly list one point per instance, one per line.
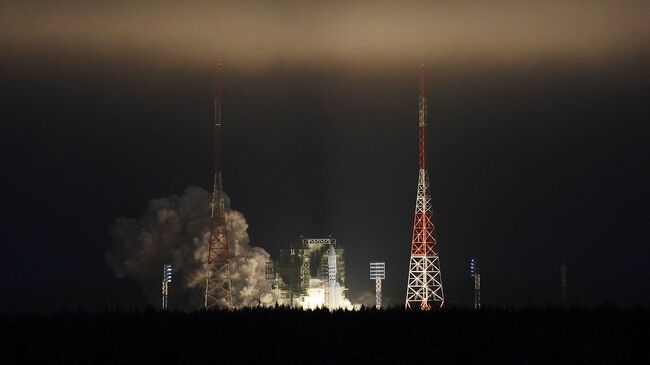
(424, 281)
(218, 287)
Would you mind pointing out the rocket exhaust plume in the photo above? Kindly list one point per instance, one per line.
(175, 230)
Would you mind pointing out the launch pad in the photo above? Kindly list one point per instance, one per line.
(310, 274)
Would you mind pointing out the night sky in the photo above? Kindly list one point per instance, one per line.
(539, 139)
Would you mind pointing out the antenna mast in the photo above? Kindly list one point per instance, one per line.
(424, 281)
(218, 286)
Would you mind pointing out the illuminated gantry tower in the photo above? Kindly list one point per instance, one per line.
(218, 288)
(424, 289)
(377, 273)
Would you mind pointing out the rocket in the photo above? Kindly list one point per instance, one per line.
(333, 287)
(331, 267)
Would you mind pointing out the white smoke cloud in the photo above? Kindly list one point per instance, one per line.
(366, 298)
(175, 230)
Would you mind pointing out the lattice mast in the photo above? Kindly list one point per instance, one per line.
(378, 273)
(166, 279)
(424, 289)
(218, 287)
(475, 272)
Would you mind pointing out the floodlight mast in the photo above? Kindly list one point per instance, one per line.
(475, 272)
(167, 278)
(218, 287)
(378, 273)
(424, 289)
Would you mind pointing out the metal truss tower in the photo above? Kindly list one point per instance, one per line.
(377, 273)
(475, 272)
(218, 287)
(424, 289)
(167, 278)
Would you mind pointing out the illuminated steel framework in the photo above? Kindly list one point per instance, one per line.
(303, 261)
(272, 275)
(424, 289)
(218, 287)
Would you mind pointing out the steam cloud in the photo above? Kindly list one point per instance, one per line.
(175, 230)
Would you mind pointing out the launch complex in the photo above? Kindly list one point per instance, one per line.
(310, 273)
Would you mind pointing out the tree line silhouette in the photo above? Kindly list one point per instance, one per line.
(280, 335)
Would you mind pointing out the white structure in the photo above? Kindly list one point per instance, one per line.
(333, 288)
(377, 273)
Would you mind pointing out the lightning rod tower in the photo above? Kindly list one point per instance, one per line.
(218, 287)
(424, 289)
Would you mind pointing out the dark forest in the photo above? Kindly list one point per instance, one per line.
(601, 334)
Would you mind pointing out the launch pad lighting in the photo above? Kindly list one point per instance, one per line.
(475, 272)
(377, 273)
(167, 278)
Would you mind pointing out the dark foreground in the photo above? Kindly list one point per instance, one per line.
(279, 336)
